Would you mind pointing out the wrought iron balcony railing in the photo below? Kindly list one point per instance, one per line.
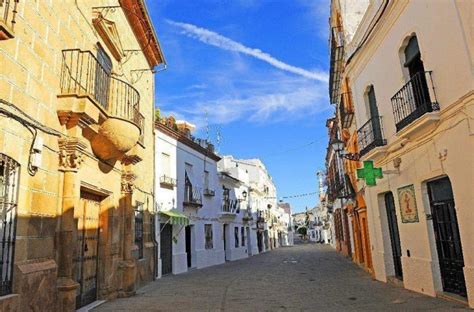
(416, 98)
(8, 10)
(209, 192)
(192, 196)
(83, 75)
(231, 206)
(346, 110)
(167, 181)
(370, 135)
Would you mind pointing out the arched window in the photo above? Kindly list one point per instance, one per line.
(9, 178)
(416, 71)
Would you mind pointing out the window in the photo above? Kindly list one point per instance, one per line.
(242, 235)
(139, 228)
(165, 165)
(9, 179)
(206, 179)
(208, 236)
(236, 234)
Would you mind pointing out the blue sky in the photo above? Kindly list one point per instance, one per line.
(256, 72)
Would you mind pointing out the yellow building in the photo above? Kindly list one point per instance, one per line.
(76, 148)
(410, 71)
(346, 196)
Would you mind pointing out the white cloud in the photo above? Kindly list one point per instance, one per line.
(278, 98)
(217, 40)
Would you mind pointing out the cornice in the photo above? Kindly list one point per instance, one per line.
(186, 141)
(139, 20)
(376, 38)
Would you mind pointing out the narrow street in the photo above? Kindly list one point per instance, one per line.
(304, 277)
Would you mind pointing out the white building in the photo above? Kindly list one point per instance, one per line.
(188, 202)
(234, 213)
(286, 224)
(262, 204)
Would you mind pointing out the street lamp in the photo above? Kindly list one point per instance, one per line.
(244, 194)
(338, 146)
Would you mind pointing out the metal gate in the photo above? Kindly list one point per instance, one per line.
(448, 241)
(87, 248)
(166, 236)
(394, 235)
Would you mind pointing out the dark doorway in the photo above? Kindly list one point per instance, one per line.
(188, 245)
(416, 70)
(394, 235)
(166, 245)
(224, 229)
(87, 248)
(448, 241)
(260, 241)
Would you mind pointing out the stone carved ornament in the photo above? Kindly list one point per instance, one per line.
(70, 153)
(128, 182)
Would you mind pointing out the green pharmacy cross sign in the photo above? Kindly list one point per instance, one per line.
(369, 173)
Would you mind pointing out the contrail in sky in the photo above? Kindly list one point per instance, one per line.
(217, 40)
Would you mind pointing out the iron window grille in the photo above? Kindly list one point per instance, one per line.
(416, 98)
(208, 236)
(139, 235)
(9, 179)
(242, 234)
(336, 62)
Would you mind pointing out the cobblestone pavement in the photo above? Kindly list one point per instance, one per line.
(300, 278)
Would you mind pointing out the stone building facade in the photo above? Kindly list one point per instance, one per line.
(409, 68)
(76, 145)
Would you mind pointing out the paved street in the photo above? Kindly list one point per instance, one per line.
(305, 277)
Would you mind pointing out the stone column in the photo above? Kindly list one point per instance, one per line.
(70, 159)
(128, 263)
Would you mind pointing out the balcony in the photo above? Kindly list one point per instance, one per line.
(346, 110)
(8, 10)
(192, 197)
(231, 206)
(167, 182)
(416, 98)
(336, 62)
(89, 90)
(209, 192)
(370, 135)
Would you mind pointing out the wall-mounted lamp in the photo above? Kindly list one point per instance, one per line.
(338, 146)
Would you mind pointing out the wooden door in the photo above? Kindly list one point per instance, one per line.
(87, 248)
(166, 245)
(448, 241)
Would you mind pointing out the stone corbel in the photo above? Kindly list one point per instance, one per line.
(71, 151)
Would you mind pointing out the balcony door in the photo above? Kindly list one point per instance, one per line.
(374, 115)
(102, 77)
(416, 70)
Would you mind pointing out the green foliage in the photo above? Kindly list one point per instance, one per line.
(303, 230)
(157, 113)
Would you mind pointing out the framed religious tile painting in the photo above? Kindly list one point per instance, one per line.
(407, 200)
